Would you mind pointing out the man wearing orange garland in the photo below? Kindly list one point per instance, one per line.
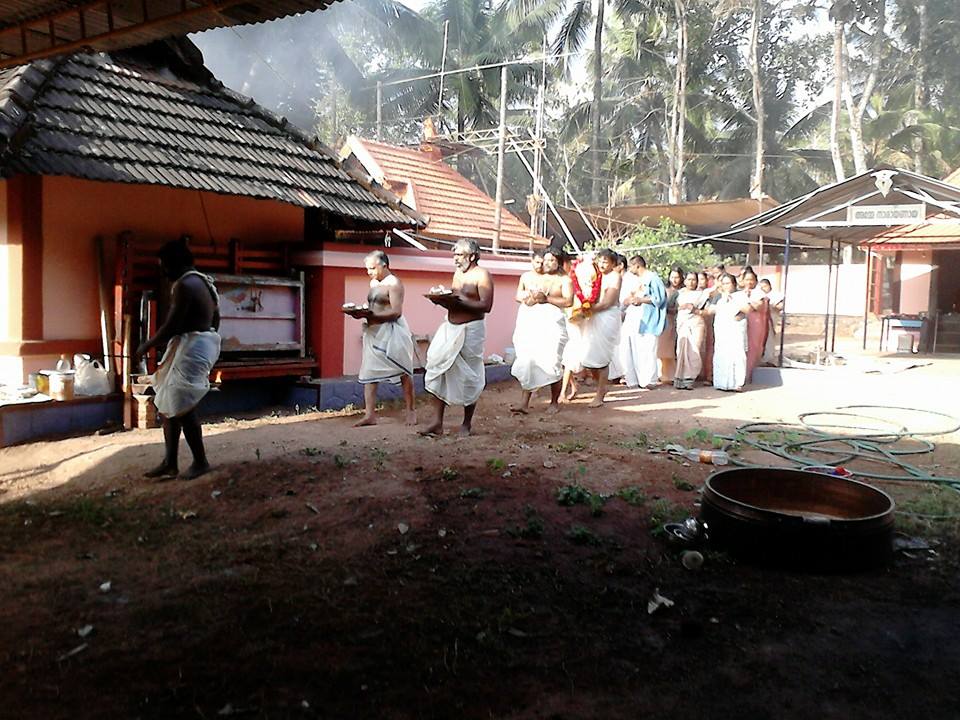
(598, 319)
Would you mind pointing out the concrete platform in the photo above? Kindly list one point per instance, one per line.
(40, 421)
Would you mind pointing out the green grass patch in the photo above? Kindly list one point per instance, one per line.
(496, 465)
(632, 495)
(664, 511)
(449, 474)
(575, 445)
(934, 511)
(532, 530)
(640, 441)
(580, 535)
(575, 494)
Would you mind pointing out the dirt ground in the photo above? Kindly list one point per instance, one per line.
(322, 571)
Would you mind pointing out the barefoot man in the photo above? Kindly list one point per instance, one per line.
(601, 328)
(454, 371)
(541, 331)
(387, 341)
(644, 321)
(193, 346)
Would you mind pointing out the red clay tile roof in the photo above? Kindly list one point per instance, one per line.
(455, 207)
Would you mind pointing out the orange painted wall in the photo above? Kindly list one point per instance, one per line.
(75, 211)
(344, 280)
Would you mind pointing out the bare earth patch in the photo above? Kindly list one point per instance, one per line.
(326, 571)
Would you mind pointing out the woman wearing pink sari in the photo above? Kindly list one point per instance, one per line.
(758, 321)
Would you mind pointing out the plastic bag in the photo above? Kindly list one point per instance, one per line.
(90, 378)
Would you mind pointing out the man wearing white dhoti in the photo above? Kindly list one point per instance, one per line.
(644, 320)
(541, 331)
(387, 341)
(600, 328)
(455, 374)
(193, 346)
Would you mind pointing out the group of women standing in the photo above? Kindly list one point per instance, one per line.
(718, 328)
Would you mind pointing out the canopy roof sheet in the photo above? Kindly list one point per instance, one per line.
(706, 217)
(32, 29)
(942, 232)
(140, 117)
(820, 216)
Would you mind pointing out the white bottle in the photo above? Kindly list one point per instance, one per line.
(708, 457)
(63, 364)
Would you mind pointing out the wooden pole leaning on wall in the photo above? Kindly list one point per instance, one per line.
(126, 380)
(106, 311)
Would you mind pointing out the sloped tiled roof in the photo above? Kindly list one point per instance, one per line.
(953, 178)
(454, 207)
(105, 118)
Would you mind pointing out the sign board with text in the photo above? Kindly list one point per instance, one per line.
(887, 214)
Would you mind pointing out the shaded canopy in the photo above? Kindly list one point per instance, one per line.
(820, 217)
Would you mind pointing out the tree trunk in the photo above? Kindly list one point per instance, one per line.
(920, 84)
(856, 111)
(838, 56)
(756, 181)
(678, 112)
(595, 109)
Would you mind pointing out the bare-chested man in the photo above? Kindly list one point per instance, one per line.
(193, 346)
(541, 331)
(387, 342)
(600, 330)
(454, 373)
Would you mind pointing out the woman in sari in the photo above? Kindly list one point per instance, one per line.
(703, 285)
(730, 336)
(691, 332)
(758, 321)
(667, 345)
(771, 350)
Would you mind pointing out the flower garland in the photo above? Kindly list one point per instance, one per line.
(585, 302)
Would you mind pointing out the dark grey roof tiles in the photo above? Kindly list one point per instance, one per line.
(93, 117)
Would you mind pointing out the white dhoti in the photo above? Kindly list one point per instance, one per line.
(729, 353)
(601, 337)
(573, 350)
(454, 369)
(637, 352)
(183, 376)
(539, 340)
(387, 352)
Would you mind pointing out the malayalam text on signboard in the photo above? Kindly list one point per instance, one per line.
(886, 214)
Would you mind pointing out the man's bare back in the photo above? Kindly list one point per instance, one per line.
(194, 309)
